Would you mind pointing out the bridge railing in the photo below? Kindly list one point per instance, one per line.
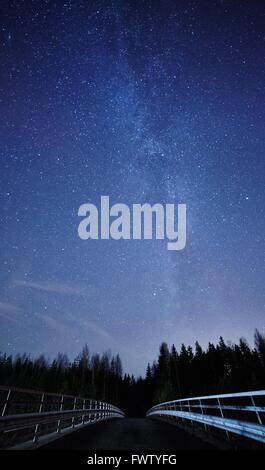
(241, 414)
(29, 417)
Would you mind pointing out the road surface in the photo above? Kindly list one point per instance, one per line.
(128, 434)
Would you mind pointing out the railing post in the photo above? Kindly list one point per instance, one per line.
(59, 421)
(181, 409)
(90, 407)
(190, 412)
(96, 410)
(256, 411)
(205, 426)
(73, 418)
(6, 403)
(84, 407)
(222, 414)
(35, 438)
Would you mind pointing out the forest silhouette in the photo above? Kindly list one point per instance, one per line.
(220, 368)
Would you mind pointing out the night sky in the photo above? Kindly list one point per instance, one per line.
(144, 101)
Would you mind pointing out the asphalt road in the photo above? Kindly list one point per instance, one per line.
(128, 434)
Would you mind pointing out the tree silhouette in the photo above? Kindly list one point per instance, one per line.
(220, 368)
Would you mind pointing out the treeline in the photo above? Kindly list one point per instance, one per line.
(94, 376)
(220, 368)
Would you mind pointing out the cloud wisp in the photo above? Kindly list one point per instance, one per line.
(55, 287)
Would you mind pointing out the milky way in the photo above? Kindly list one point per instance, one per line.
(152, 101)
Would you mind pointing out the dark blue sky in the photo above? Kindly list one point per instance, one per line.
(144, 101)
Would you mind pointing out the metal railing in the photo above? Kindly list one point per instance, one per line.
(29, 417)
(242, 414)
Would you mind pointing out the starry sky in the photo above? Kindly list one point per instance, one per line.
(144, 101)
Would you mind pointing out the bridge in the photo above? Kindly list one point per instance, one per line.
(33, 419)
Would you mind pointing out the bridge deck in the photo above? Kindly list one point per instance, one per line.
(129, 434)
